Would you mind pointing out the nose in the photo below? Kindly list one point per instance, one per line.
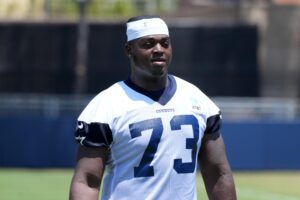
(157, 48)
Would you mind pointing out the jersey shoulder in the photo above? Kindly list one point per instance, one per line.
(196, 96)
(113, 102)
(188, 87)
(111, 93)
(98, 108)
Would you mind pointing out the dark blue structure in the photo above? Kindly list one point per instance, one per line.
(263, 145)
(40, 57)
(38, 142)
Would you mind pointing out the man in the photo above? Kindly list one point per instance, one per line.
(149, 131)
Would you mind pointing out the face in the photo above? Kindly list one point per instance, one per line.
(150, 56)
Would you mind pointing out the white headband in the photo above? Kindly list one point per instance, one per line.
(144, 27)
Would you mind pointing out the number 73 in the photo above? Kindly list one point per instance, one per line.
(145, 169)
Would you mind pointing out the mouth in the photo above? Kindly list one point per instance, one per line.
(158, 60)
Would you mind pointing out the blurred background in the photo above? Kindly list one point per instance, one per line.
(56, 55)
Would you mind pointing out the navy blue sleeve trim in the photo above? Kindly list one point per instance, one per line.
(93, 134)
(213, 124)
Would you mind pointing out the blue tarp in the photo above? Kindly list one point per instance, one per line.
(38, 142)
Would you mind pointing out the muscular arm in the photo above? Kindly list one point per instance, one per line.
(215, 168)
(88, 173)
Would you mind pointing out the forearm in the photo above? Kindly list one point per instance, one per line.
(215, 169)
(88, 173)
(80, 190)
(220, 187)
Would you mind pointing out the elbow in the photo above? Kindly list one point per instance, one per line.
(93, 181)
(87, 187)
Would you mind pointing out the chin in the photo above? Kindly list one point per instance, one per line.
(160, 73)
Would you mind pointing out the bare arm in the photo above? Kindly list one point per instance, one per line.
(215, 168)
(88, 173)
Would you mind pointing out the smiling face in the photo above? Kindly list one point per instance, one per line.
(150, 57)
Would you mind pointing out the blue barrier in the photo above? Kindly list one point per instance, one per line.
(263, 145)
(37, 142)
(32, 141)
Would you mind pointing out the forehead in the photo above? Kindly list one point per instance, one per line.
(153, 37)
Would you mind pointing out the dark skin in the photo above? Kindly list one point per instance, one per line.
(150, 57)
(215, 169)
(89, 170)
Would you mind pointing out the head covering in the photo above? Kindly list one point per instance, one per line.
(138, 27)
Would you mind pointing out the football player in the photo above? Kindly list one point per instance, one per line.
(150, 132)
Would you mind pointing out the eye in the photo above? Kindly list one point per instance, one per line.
(165, 43)
(148, 44)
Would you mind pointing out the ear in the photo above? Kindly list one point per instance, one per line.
(128, 49)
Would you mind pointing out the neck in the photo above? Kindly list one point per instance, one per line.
(152, 84)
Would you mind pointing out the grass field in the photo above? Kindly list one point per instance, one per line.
(26, 184)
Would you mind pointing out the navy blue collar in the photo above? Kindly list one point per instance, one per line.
(162, 96)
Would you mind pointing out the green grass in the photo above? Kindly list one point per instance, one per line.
(27, 184)
(34, 184)
(268, 185)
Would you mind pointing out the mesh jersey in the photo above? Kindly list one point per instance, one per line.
(153, 139)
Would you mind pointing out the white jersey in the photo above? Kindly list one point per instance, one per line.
(154, 138)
